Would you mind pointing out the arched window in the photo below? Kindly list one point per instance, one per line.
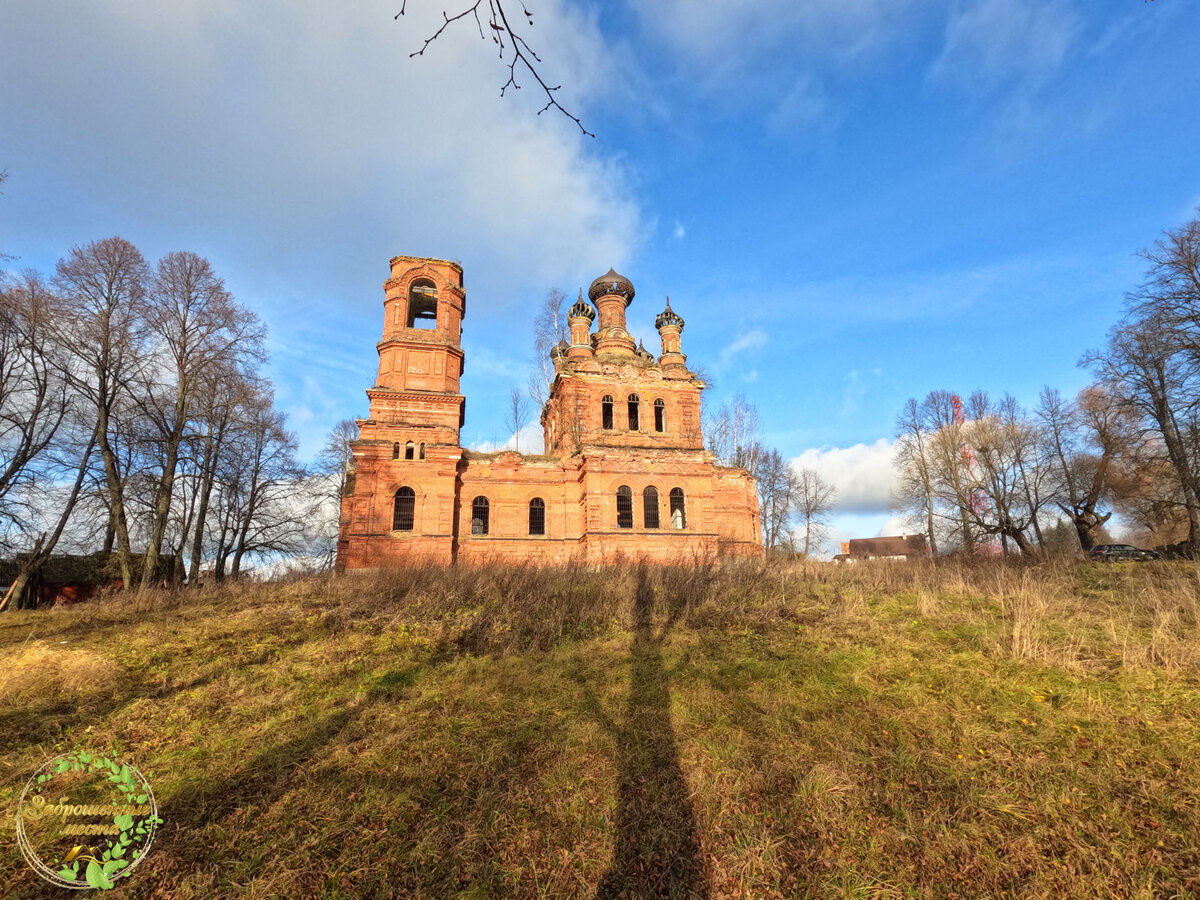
(660, 416)
(396, 450)
(634, 402)
(404, 513)
(537, 516)
(479, 515)
(408, 450)
(624, 507)
(422, 304)
(650, 507)
(422, 451)
(678, 516)
(606, 404)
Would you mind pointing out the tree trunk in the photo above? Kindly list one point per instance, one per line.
(116, 500)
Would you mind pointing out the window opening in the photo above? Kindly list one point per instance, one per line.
(606, 412)
(624, 507)
(404, 514)
(660, 416)
(633, 412)
(479, 515)
(537, 516)
(678, 516)
(422, 305)
(650, 507)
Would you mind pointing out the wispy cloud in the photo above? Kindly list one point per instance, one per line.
(750, 340)
(991, 41)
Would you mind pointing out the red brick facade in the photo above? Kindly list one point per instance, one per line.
(625, 474)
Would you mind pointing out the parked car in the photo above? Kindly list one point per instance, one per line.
(1113, 552)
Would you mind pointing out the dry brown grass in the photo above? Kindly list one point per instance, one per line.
(36, 672)
(968, 728)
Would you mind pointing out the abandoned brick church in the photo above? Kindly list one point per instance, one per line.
(624, 475)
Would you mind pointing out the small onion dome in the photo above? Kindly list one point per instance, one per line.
(581, 308)
(559, 349)
(643, 352)
(668, 317)
(611, 283)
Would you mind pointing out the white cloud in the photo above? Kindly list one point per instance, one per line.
(680, 232)
(863, 474)
(987, 41)
(804, 104)
(749, 340)
(717, 34)
(532, 441)
(858, 384)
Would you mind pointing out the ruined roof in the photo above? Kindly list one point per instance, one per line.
(897, 545)
(611, 282)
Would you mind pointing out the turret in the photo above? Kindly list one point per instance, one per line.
(579, 321)
(612, 293)
(670, 328)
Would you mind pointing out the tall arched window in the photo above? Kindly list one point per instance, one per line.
(396, 450)
(678, 516)
(479, 515)
(650, 507)
(404, 513)
(422, 304)
(537, 516)
(660, 416)
(624, 507)
(634, 403)
(422, 451)
(606, 404)
(408, 450)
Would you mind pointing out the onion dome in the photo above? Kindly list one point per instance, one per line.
(581, 308)
(643, 352)
(559, 349)
(611, 283)
(668, 317)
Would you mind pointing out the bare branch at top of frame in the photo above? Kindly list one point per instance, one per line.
(522, 54)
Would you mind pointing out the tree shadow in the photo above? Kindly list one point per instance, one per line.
(657, 853)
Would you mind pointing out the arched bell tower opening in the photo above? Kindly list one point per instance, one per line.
(422, 304)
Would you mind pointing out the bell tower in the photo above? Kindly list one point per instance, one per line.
(420, 355)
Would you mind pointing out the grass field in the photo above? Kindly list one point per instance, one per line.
(962, 730)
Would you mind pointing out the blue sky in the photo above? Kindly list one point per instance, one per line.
(851, 202)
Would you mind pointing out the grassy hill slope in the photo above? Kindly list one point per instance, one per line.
(877, 731)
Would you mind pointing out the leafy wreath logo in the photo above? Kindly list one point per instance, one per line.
(129, 831)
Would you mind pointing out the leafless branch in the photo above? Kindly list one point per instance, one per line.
(521, 53)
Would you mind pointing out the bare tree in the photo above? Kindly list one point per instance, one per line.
(732, 432)
(104, 284)
(200, 327)
(549, 328)
(777, 485)
(914, 488)
(513, 48)
(516, 415)
(814, 500)
(1088, 440)
(33, 388)
(335, 464)
(262, 510)
(1145, 364)
(1153, 359)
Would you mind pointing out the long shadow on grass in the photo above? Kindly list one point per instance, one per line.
(657, 854)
